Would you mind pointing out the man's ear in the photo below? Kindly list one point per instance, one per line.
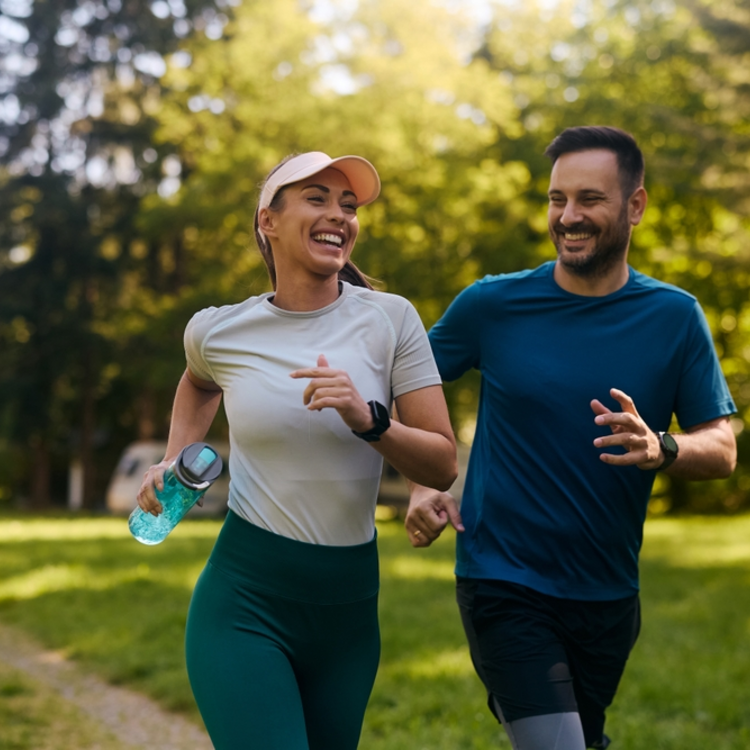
(267, 222)
(637, 205)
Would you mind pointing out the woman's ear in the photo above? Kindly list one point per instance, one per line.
(267, 222)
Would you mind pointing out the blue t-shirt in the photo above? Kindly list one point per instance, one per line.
(539, 506)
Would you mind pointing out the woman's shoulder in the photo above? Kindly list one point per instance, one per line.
(209, 318)
(388, 301)
(399, 312)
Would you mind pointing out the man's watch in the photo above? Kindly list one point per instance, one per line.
(669, 448)
(382, 421)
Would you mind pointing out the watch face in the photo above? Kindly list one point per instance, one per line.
(381, 416)
(669, 443)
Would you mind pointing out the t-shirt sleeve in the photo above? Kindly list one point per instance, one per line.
(455, 338)
(196, 333)
(702, 393)
(413, 366)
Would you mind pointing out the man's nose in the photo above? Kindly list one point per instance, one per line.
(571, 214)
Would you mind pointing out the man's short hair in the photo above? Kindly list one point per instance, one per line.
(630, 162)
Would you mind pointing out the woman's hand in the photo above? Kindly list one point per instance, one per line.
(333, 389)
(153, 478)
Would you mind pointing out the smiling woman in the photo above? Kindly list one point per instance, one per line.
(309, 374)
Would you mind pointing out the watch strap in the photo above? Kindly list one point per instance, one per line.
(381, 419)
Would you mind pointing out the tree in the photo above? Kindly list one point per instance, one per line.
(80, 87)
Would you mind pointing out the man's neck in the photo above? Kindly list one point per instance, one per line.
(592, 287)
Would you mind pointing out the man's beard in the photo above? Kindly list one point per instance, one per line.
(610, 247)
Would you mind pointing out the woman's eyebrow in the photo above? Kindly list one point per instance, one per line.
(327, 190)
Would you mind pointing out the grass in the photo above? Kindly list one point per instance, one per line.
(33, 717)
(85, 587)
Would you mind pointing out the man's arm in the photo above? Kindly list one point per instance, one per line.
(706, 451)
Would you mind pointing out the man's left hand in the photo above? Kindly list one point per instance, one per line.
(629, 431)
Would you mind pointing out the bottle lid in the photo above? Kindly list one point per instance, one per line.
(198, 465)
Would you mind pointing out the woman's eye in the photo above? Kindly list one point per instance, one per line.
(350, 206)
(316, 198)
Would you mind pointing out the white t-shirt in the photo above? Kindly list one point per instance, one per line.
(301, 473)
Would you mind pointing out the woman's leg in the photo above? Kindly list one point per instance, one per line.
(336, 672)
(242, 679)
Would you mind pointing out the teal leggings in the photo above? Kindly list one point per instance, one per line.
(282, 641)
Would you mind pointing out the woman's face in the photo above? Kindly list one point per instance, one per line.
(316, 227)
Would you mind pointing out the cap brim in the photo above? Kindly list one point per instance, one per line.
(362, 176)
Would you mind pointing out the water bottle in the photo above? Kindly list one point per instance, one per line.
(185, 482)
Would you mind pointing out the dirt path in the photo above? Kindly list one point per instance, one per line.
(136, 721)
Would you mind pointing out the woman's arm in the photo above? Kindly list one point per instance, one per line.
(421, 445)
(195, 405)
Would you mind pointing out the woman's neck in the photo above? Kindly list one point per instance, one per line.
(306, 295)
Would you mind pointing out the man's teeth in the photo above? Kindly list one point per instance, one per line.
(331, 239)
(579, 236)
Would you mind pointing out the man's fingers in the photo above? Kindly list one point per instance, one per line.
(633, 458)
(599, 408)
(450, 508)
(627, 403)
(627, 440)
(419, 538)
(322, 361)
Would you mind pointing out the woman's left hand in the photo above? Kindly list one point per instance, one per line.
(330, 388)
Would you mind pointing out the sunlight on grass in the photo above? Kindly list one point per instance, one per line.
(56, 578)
(63, 529)
(416, 569)
(698, 542)
(449, 663)
(79, 529)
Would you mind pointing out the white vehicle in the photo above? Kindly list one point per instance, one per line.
(137, 457)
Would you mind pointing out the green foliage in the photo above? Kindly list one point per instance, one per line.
(454, 114)
(84, 587)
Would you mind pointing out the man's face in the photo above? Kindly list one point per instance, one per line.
(589, 220)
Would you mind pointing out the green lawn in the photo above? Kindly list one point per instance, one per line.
(85, 587)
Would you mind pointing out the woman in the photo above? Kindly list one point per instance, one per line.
(282, 634)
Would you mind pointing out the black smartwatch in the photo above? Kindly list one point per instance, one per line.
(669, 448)
(382, 422)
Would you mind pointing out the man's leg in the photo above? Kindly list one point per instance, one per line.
(599, 637)
(561, 731)
(519, 657)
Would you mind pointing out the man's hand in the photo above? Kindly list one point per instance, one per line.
(429, 513)
(628, 430)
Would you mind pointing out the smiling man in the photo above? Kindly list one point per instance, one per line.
(584, 362)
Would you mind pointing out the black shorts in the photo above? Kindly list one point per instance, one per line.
(537, 654)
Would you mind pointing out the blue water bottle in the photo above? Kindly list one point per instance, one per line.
(185, 482)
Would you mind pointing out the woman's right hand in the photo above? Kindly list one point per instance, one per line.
(153, 480)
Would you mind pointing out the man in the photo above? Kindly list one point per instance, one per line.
(583, 361)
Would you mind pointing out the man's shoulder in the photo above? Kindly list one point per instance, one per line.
(668, 293)
(527, 275)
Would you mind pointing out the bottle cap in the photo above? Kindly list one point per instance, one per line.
(198, 465)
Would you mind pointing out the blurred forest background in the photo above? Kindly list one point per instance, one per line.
(134, 134)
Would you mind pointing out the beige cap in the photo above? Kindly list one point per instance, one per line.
(361, 174)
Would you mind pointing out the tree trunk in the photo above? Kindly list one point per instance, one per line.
(40, 476)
